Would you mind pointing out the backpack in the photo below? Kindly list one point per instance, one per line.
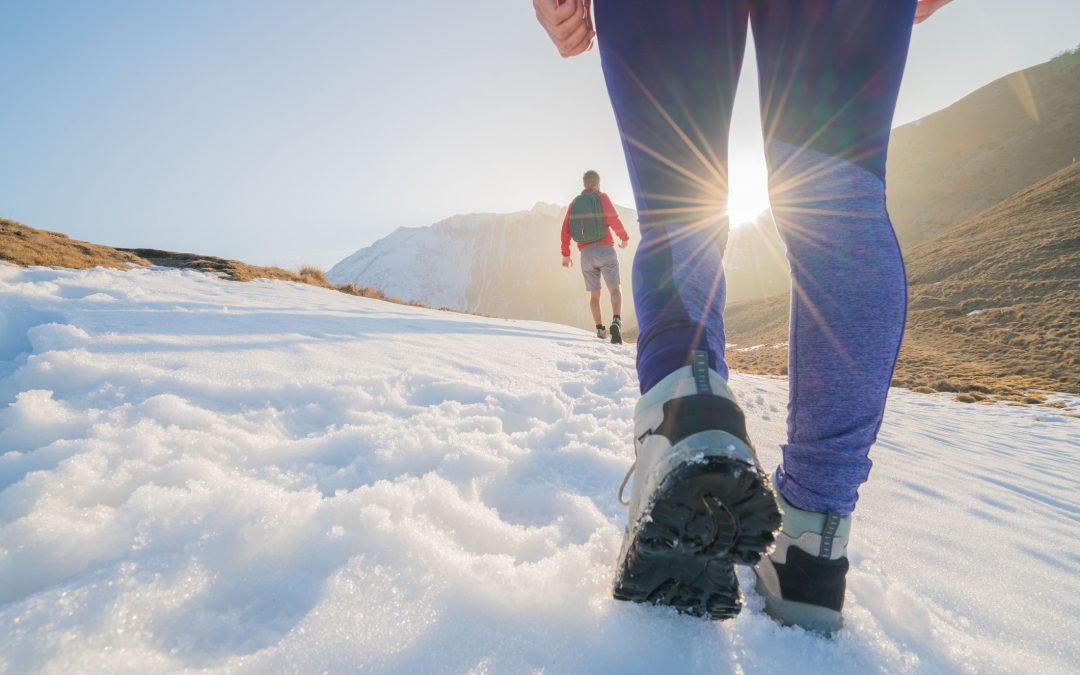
(587, 218)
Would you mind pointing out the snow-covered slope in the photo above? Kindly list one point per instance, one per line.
(268, 477)
(432, 265)
(498, 264)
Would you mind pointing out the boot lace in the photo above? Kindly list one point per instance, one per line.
(625, 480)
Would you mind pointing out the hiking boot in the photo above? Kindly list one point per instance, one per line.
(802, 579)
(616, 331)
(699, 503)
(601, 331)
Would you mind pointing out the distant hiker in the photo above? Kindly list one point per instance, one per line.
(588, 221)
(829, 71)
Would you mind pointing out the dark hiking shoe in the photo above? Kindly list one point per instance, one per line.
(699, 504)
(616, 331)
(803, 578)
(601, 331)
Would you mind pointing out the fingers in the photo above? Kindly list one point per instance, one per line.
(553, 12)
(925, 8)
(567, 24)
(576, 42)
(922, 13)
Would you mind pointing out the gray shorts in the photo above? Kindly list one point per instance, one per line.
(596, 260)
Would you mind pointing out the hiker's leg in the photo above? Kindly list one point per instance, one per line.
(616, 299)
(590, 271)
(594, 306)
(609, 268)
(671, 70)
(830, 70)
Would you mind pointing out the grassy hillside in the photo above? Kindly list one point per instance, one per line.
(998, 140)
(995, 303)
(949, 166)
(23, 245)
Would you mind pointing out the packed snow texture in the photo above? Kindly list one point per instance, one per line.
(266, 477)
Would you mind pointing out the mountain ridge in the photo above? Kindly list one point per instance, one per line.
(999, 139)
(943, 169)
(993, 303)
(496, 264)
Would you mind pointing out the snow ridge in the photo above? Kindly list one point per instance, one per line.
(271, 477)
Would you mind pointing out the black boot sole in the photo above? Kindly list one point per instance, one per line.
(616, 335)
(707, 517)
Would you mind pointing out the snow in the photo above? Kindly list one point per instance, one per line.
(437, 265)
(498, 264)
(414, 264)
(754, 348)
(197, 474)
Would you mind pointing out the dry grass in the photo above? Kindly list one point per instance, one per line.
(951, 165)
(947, 167)
(994, 304)
(313, 275)
(23, 245)
(231, 269)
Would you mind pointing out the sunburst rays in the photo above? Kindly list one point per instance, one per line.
(697, 211)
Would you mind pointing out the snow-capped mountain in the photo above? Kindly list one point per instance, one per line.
(505, 265)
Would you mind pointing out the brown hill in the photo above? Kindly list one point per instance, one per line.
(23, 245)
(949, 166)
(991, 144)
(995, 303)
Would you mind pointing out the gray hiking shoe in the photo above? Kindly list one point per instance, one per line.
(601, 331)
(803, 578)
(616, 331)
(699, 503)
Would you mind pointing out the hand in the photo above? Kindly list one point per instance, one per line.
(623, 243)
(567, 262)
(568, 23)
(925, 8)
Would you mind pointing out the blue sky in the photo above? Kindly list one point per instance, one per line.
(293, 132)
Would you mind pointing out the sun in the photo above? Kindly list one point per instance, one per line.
(748, 190)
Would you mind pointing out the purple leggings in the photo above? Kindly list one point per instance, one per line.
(829, 75)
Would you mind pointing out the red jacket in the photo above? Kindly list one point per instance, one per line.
(611, 219)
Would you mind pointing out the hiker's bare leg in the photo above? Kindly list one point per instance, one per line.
(594, 305)
(616, 299)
